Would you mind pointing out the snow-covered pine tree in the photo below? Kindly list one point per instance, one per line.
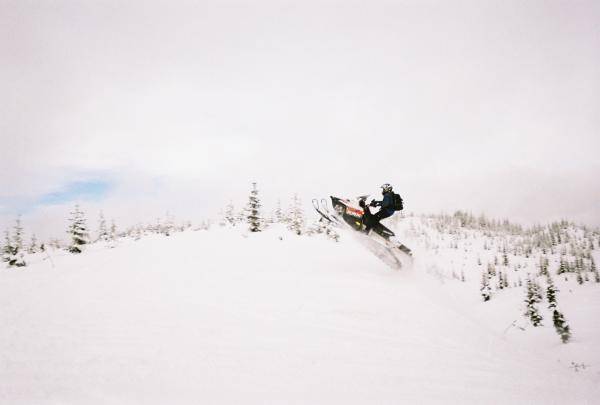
(103, 235)
(579, 275)
(531, 299)
(229, 214)
(279, 217)
(561, 326)
(500, 285)
(77, 230)
(563, 267)
(18, 236)
(7, 248)
(594, 270)
(113, 231)
(296, 216)
(486, 291)
(550, 292)
(491, 269)
(544, 266)
(538, 291)
(16, 257)
(33, 247)
(253, 216)
(168, 225)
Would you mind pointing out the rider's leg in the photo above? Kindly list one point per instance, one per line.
(373, 219)
(368, 218)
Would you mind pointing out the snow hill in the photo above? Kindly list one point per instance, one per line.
(222, 316)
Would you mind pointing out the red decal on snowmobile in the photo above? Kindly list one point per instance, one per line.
(355, 212)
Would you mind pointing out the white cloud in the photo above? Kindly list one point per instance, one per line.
(183, 106)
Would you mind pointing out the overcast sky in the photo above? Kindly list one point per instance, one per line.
(144, 107)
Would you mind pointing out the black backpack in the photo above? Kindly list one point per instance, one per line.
(398, 203)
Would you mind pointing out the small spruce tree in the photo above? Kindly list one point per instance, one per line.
(33, 247)
(17, 256)
(296, 216)
(551, 293)
(594, 270)
(279, 217)
(113, 231)
(579, 275)
(253, 216)
(486, 291)
(544, 266)
(18, 236)
(561, 326)
(103, 235)
(531, 299)
(229, 214)
(7, 248)
(77, 230)
(563, 267)
(491, 270)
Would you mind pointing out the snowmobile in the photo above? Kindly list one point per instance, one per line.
(380, 240)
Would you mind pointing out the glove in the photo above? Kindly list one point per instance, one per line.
(373, 203)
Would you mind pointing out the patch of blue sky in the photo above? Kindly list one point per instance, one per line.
(91, 190)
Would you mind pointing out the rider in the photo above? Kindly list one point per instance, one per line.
(387, 208)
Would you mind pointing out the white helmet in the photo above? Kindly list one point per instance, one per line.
(387, 187)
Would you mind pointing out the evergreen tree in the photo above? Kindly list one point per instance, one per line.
(13, 251)
(594, 270)
(563, 267)
(544, 266)
(504, 257)
(253, 211)
(77, 230)
(103, 234)
(230, 214)
(113, 231)
(491, 270)
(579, 275)
(279, 213)
(296, 216)
(16, 257)
(561, 326)
(7, 248)
(500, 285)
(551, 293)
(33, 248)
(532, 298)
(486, 291)
(18, 236)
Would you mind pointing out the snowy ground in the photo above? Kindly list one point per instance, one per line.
(219, 317)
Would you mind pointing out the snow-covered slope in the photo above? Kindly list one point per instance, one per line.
(220, 316)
